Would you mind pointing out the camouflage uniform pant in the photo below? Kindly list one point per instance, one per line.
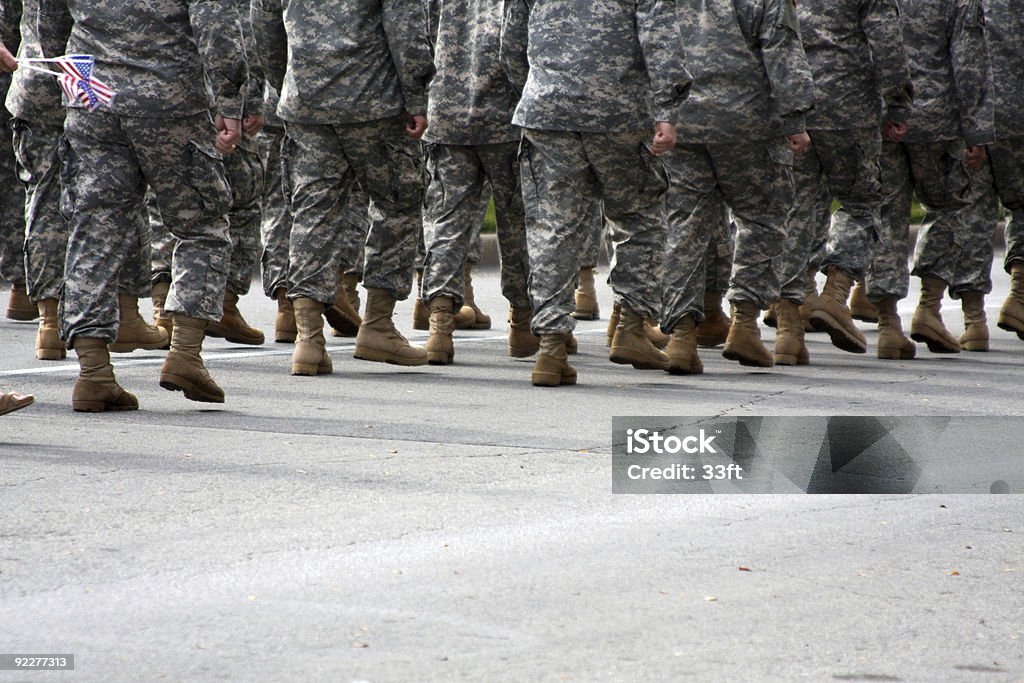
(1007, 157)
(841, 165)
(12, 210)
(565, 174)
(162, 250)
(756, 181)
(973, 271)
(110, 162)
(721, 248)
(936, 174)
(276, 218)
(460, 182)
(591, 252)
(37, 148)
(325, 164)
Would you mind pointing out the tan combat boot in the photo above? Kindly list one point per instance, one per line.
(232, 327)
(926, 326)
(860, 307)
(420, 314)
(48, 342)
(892, 344)
(19, 306)
(284, 322)
(585, 295)
(310, 356)
(9, 402)
(832, 315)
(552, 368)
(132, 331)
(184, 370)
(572, 344)
(470, 316)
(351, 282)
(378, 340)
(1011, 315)
(344, 319)
(162, 319)
(521, 340)
(632, 346)
(771, 317)
(613, 323)
(811, 301)
(975, 336)
(714, 329)
(654, 333)
(440, 348)
(683, 358)
(97, 390)
(790, 348)
(744, 342)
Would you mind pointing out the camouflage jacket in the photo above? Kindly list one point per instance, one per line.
(1005, 30)
(594, 65)
(751, 76)
(470, 100)
(10, 15)
(855, 49)
(343, 61)
(949, 64)
(255, 82)
(156, 55)
(34, 96)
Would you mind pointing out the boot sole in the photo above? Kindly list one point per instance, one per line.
(710, 342)
(1011, 325)
(617, 356)
(22, 316)
(284, 339)
(523, 351)
(128, 347)
(98, 407)
(581, 315)
(895, 354)
(786, 359)
(440, 358)
(309, 370)
(841, 339)
(551, 379)
(974, 346)
(746, 361)
(192, 393)
(934, 345)
(385, 357)
(680, 370)
(50, 354)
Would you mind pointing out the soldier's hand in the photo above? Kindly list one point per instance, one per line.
(252, 124)
(894, 132)
(229, 132)
(7, 60)
(664, 137)
(799, 143)
(416, 126)
(975, 157)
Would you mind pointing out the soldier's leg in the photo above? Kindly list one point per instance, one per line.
(888, 275)
(37, 148)
(451, 215)
(12, 229)
(757, 182)
(388, 166)
(694, 217)
(276, 230)
(106, 187)
(942, 185)
(134, 283)
(1007, 157)
(190, 187)
(633, 186)
(245, 176)
(972, 278)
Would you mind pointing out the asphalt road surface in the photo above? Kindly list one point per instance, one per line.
(456, 523)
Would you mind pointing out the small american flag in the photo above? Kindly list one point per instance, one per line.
(78, 83)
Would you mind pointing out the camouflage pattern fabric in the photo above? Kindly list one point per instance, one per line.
(751, 79)
(37, 148)
(461, 179)
(756, 181)
(888, 271)
(807, 227)
(326, 163)
(245, 176)
(162, 58)
(943, 39)
(34, 96)
(276, 217)
(162, 251)
(973, 272)
(564, 175)
(721, 249)
(855, 49)
(12, 210)
(355, 221)
(1007, 157)
(627, 66)
(109, 162)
